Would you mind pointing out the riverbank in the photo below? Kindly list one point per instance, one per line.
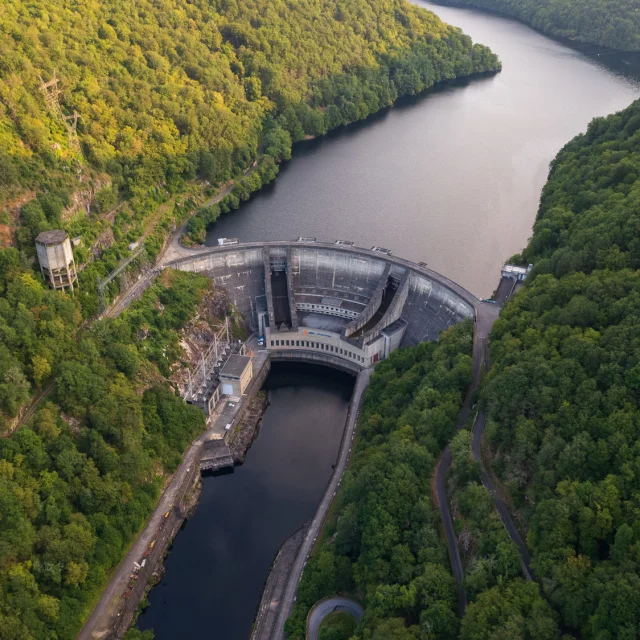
(216, 573)
(117, 607)
(271, 601)
(544, 23)
(248, 427)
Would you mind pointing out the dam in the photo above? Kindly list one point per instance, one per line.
(332, 303)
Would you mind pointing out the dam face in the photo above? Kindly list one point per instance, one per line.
(337, 304)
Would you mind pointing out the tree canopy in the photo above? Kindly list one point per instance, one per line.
(166, 91)
(563, 393)
(384, 541)
(81, 477)
(608, 23)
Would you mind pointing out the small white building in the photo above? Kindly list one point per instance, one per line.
(56, 259)
(236, 375)
(516, 273)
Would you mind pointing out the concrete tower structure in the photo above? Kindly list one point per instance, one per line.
(56, 259)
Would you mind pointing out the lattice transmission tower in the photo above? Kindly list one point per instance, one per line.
(52, 92)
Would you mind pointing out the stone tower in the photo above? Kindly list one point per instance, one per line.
(56, 259)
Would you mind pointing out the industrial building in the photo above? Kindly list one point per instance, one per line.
(515, 272)
(236, 375)
(56, 259)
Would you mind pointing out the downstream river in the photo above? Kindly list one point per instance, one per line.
(454, 177)
(220, 560)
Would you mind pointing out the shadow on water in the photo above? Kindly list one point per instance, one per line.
(625, 64)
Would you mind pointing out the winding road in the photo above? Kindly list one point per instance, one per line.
(331, 605)
(486, 314)
(289, 597)
(476, 446)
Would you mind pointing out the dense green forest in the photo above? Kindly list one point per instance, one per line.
(81, 477)
(383, 544)
(563, 393)
(501, 603)
(608, 23)
(170, 91)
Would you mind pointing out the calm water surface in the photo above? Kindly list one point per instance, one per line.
(219, 562)
(452, 178)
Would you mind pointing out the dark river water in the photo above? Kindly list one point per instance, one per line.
(220, 560)
(452, 178)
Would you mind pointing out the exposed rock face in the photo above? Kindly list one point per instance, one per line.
(199, 333)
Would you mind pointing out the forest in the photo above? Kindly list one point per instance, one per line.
(169, 92)
(563, 392)
(609, 23)
(383, 543)
(81, 477)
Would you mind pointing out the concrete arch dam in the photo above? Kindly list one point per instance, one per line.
(332, 303)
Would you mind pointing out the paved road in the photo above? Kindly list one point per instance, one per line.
(486, 314)
(288, 600)
(321, 610)
(476, 446)
(101, 620)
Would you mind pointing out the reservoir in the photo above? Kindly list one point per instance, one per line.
(220, 560)
(452, 178)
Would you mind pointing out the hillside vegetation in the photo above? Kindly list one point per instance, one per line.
(170, 90)
(82, 476)
(383, 544)
(563, 394)
(608, 23)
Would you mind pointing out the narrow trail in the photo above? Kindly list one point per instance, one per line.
(476, 449)
(36, 401)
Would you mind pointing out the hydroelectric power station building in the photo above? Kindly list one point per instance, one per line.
(335, 304)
